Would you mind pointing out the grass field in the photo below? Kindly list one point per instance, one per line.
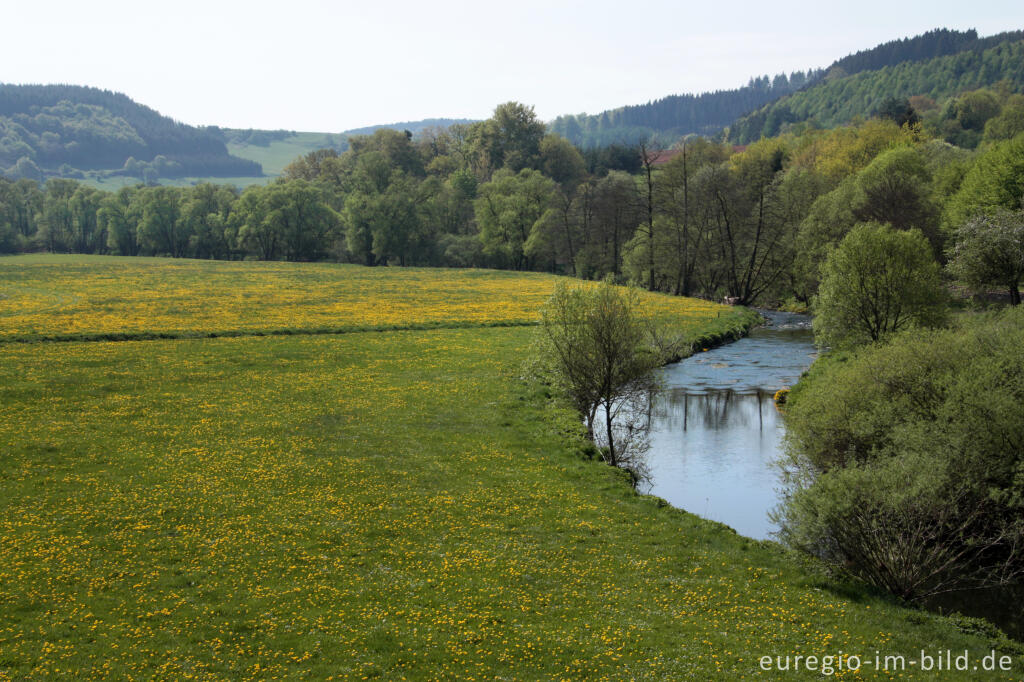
(279, 153)
(365, 505)
(68, 296)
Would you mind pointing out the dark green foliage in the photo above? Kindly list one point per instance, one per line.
(676, 115)
(840, 99)
(88, 128)
(896, 109)
(907, 459)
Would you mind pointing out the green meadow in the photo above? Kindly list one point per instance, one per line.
(396, 504)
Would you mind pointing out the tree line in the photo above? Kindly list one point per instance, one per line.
(703, 218)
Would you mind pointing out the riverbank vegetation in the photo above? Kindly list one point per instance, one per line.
(907, 458)
(396, 504)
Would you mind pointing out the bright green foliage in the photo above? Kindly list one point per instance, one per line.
(507, 208)
(989, 251)
(877, 282)
(996, 180)
(595, 344)
(907, 461)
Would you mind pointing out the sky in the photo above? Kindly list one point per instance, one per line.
(314, 65)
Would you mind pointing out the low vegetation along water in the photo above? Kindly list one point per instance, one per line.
(715, 431)
(716, 436)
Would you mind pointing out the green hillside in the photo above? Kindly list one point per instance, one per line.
(64, 130)
(840, 99)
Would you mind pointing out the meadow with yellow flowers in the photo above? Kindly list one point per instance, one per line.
(397, 505)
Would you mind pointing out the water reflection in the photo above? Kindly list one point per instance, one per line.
(715, 432)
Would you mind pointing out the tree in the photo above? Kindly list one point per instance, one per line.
(996, 180)
(119, 214)
(160, 229)
(593, 345)
(878, 281)
(904, 459)
(511, 137)
(894, 189)
(898, 110)
(507, 208)
(989, 251)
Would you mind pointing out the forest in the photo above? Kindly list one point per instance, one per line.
(710, 113)
(66, 129)
(702, 218)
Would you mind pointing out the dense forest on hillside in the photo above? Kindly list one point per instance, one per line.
(64, 129)
(707, 114)
(838, 99)
(677, 115)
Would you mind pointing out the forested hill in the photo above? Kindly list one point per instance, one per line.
(709, 113)
(840, 96)
(62, 129)
(677, 115)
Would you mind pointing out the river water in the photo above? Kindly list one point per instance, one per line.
(716, 434)
(715, 431)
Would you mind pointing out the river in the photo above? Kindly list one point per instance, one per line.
(716, 434)
(715, 431)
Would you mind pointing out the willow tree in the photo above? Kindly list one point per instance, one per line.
(594, 345)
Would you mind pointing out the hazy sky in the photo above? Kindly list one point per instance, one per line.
(331, 66)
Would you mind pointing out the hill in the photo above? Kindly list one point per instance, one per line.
(62, 130)
(841, 97)
(709, 113)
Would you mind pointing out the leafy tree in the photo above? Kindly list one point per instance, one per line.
(593, 344)
(898, 110)
(904, 459)
(511, 137)
(895, 189)
(877, 282)
(995, 181)
(1009, 123)
(161, 230)
(507, 208)
(206, 215)
(989, 251)
(286, 218)
(561, 161)
(120, 215)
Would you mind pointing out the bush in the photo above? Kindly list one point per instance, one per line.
(906, 460)
(877, 282)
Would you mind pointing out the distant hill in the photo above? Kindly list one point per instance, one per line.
(840, 97)
(275, 149)
(67, 129)
(709, 113)
(413, 127)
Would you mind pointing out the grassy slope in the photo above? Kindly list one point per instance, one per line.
(369, 504)
(280, 153)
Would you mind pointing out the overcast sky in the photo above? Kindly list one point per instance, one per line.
(330, 66)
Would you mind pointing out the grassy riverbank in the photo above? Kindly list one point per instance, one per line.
(386, 505)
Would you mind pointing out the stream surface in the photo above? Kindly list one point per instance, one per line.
(715, 432)
(716, 435)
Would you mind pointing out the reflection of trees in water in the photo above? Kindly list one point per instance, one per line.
(714, 410)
